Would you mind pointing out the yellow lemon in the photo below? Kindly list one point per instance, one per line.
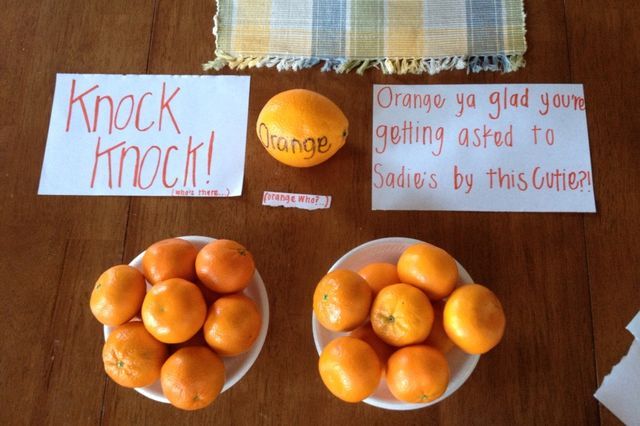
(301, 128)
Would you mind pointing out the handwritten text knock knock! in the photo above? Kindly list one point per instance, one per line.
(143, 163)
(459, 147)
(145, 135)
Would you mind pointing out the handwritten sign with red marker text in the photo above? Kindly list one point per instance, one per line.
(154, 135)
(520, 147)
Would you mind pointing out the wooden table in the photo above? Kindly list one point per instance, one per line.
(569, 282)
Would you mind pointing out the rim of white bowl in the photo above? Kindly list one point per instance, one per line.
(468, 366)
(256, 291)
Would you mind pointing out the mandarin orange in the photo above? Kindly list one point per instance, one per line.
(132, 357)
(379, 275)
(417, 374)
(401, 315)
(117, 295)
(232, 324)
(366, 334)
(438, 337)
(350, 368)
(341, 300)
(225, 266)
(474, 319)
(192, 378)
(429, 268)
(174, 310)
(171, 258)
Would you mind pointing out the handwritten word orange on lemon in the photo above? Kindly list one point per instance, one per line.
(301, 128)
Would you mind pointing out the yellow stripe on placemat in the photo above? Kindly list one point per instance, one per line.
(404, 32)
(252, 28)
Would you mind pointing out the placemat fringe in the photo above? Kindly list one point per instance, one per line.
(477, 63)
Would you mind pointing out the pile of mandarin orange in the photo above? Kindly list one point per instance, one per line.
(403, 319)
(194, 313)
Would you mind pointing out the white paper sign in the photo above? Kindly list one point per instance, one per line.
(521, 147)
(620, 389)
(299, 201)
(147, 135)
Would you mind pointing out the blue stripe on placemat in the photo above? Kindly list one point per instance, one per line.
(329, 28)
(484, 25)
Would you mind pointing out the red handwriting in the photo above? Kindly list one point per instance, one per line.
(286, 199)
(192, 155)
(410, 133)
(99, 154)
(499, 178)
(502, 100)
(387, 97)
(165, 105)
(485, 136)
(404, 178)
(549, 135)
(202, 192)
(560, 101)
(559, 180)
(465, 101)
(78, 98)
(461, 180)
(109, 113)
(124, 163)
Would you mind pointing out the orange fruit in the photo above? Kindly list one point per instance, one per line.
(132, 357)
(379, 275)
(301, 128)
(366, 334)
(342, 300)
(417, 374)
(474, 318)
(172, 258)
(225, 266)
(192, 378)
(401, 315)
(350, 368)
(197, 340)
(438, 337)
(429, 268)
(173, 310)
(210, 296)
(232, 325)
(117, 295)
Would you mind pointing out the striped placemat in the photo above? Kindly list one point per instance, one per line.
(396, 36)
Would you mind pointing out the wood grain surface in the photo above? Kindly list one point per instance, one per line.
(569, 282)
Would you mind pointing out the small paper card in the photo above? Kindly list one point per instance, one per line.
(620, 389)
(519, 147)
(299, 201)
(146, 135)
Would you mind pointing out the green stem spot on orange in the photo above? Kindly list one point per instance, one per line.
(120, 364)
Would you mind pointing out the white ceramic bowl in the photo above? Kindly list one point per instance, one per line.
(389, 250)
(235, 367)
